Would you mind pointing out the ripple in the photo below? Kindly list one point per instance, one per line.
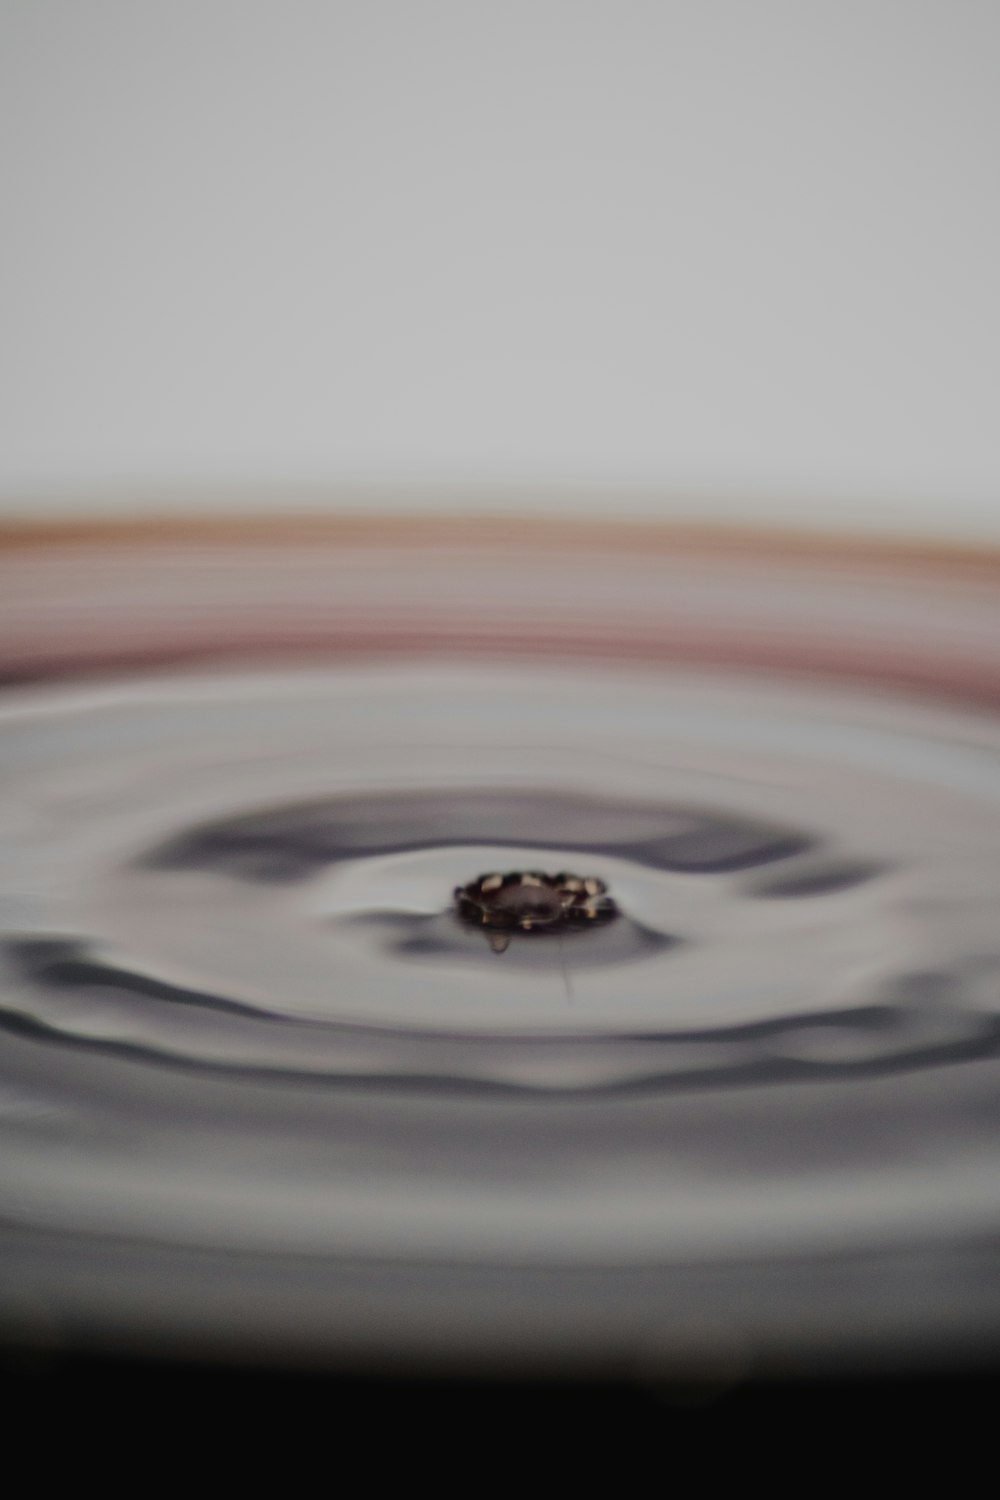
(229, 942)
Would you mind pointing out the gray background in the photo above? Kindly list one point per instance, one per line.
(725, 258)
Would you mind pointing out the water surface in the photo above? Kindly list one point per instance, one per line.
(250, 1057)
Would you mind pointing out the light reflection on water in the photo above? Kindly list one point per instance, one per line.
(249, 1051)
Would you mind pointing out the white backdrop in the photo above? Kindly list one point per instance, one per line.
(701, 257)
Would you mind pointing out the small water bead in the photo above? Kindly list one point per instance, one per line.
(531, 901)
